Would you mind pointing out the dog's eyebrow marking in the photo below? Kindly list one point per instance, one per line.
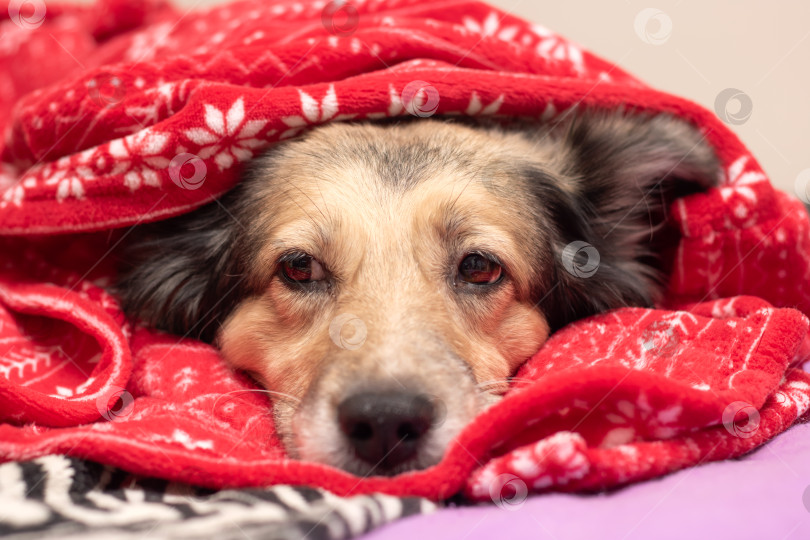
(318, 236)
(450, 222)
(407, 165)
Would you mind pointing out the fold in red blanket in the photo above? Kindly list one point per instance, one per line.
(102, 106)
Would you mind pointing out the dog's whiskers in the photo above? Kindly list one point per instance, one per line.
(499, 386)
(509, 383)
(272, 393)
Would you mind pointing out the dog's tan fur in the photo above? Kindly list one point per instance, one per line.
(390, 251)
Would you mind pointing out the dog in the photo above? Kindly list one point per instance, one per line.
(383, 281)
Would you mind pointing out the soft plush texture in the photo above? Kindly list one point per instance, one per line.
(92, 132)
(765, 494)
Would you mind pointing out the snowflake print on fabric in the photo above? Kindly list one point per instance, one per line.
(227, 135)
(139, 157)
(145, 45)
(312, 112)
(555, 460)
(741, 172)
(491, 27)
(554, 48)
(68, 174)
(664, 423)
(162, 101)
(476, 107)
(11, 191)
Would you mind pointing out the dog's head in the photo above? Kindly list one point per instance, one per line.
(384, 281)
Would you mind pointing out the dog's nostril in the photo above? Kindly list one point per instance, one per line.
(361, 431)
(385, 429)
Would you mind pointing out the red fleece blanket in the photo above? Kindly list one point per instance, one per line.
(123, 113)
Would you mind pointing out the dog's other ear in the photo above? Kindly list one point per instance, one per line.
(182, 275)
(622, 172)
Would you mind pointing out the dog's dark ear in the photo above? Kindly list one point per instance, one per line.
(182, 274)
(621, 173)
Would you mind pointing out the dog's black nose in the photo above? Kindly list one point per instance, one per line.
(385, 428)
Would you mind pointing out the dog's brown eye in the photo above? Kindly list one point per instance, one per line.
(477, 269)
(302, 269)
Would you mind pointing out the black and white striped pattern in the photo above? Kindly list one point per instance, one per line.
(66, 498)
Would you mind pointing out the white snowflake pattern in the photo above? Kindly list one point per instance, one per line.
(145, 44)
(396, 107)
(12, 190)
(185, 378)
(313, 112)
(664, 422)
(227, 136)
(68, 174)
(491, 27)
(476, 107)
(162, 96)
(148, 146)
(555, 48)
(70, 187)
(738, 175)
(793, 394)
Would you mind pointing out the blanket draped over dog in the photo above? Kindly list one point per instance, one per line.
(124, 113)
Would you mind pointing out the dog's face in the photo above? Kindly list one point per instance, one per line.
(385, 281)
(391, 277)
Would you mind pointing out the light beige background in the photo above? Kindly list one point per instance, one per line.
(761, 48)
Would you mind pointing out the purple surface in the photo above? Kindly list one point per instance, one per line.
(759, 497)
